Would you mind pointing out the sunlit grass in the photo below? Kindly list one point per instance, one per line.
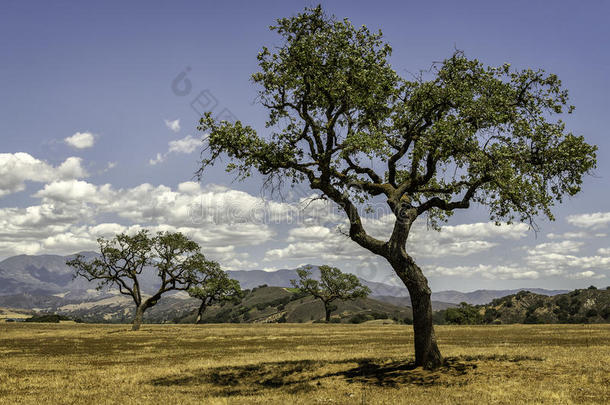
(300, 363)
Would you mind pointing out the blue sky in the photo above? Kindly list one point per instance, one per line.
(104, 70)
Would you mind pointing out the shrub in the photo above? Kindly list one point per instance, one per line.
(579, 319)
(490, 315)
(379, 315)
(48, 318)
(532, 308)
(531, 318)
(563, 302)
(359, 318)
(574, 307)
(465, 314)
(562, 316)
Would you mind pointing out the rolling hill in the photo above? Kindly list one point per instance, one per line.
(579, 306)
(259, 305)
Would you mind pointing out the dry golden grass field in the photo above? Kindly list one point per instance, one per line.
(301, 363)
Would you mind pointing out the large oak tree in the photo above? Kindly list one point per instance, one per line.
(459, 134)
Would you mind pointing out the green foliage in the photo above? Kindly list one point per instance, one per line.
(574, 307)
(47, 318)
(533, 307)
(469, 133)
(465, 314)
(563, 302)
(359, 318)
(490, 315)
(178, 260)
(532, 318)
(591, 313)
(333, 285)
(214, 286)
(363, 317)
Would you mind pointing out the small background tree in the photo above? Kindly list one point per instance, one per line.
(213, 286)
(122, 260)
(333, 285)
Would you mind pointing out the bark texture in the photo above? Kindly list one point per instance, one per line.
(200, 312)
(137, 320)
(427, 354)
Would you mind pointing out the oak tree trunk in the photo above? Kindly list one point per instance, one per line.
(427, 354)
(200, 312)
(328, 310)
(137, 320)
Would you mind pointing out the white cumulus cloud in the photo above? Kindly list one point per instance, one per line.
(585, 274)
(81, 140)
(595, 220)
(186, 145)
(17, 168)
(486, 271)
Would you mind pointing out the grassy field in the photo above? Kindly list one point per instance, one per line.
(297, 363)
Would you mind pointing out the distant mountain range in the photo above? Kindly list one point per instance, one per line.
(48, 276)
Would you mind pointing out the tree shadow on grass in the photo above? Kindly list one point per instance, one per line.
(305, 375)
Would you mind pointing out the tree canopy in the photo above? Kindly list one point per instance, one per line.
(122, 259)
(341, 120)
(471, 133)
(213, 286)
(333, 285)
